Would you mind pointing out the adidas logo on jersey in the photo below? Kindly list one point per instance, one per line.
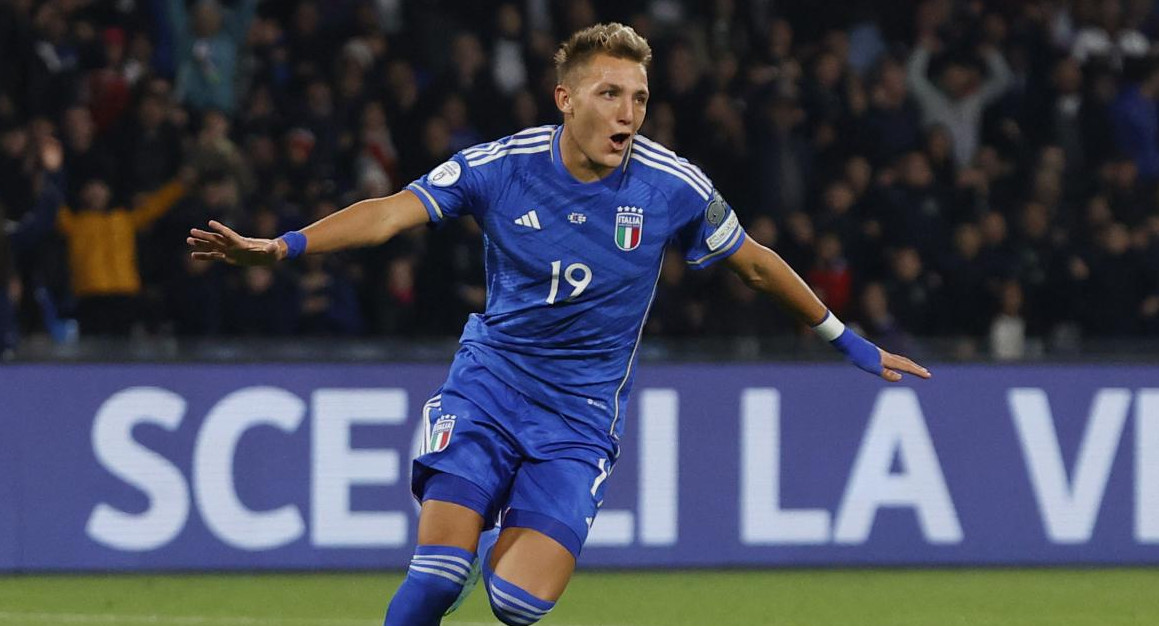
(529, 219)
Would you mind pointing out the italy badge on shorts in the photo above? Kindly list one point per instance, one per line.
(629, 227)
(441, 433)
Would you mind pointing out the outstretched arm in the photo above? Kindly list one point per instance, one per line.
(158, 203)
(929, 97)
(361, 224)
(1000, 76)
(764, 270)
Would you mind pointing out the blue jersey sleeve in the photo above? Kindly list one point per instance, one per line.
(452, 189)
(711, 232)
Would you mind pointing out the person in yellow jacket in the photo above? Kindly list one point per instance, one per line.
(102, 253)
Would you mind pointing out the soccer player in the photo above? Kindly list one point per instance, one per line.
(526, 428)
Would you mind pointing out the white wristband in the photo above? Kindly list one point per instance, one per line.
(830, 328)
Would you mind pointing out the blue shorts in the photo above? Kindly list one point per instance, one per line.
(491, 449)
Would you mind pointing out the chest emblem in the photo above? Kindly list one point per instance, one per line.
(629, 227)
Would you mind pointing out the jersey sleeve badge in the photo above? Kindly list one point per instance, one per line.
(445, 175)
(722, 220)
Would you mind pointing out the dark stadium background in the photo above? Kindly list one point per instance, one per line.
(1029, 231)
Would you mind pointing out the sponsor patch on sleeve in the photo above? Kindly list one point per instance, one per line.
(445, 175)
(723, 233)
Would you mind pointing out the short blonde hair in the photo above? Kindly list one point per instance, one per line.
(613, 39)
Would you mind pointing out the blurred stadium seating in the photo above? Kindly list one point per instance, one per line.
(962, 180)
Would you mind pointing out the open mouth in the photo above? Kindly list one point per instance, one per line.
(620, 141)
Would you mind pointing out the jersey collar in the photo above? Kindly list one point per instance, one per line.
(611, 181)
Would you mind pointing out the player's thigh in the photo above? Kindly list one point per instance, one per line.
(533, 562)
(559, 497)
(552, 505)
(449, 524)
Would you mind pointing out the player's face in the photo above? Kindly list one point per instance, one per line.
(603, 106)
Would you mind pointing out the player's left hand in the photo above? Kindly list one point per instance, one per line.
(893, 365)
(870, 358)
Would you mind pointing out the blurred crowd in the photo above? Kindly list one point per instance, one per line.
(984, 171)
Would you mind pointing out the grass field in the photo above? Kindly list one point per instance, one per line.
(1099, 597)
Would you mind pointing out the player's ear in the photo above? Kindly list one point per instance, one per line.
(563, 99)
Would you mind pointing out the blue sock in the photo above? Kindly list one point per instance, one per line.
(514, 606)
(434, 580)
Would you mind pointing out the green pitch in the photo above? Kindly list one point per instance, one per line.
(1099, 597)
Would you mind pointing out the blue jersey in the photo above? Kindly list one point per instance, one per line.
(572, 267)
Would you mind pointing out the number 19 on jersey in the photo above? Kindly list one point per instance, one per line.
(578, 275)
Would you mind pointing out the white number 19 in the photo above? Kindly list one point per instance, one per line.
(578, 284)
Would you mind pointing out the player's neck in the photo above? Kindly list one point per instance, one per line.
(576, 162)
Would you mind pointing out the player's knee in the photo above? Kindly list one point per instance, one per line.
(513, 605)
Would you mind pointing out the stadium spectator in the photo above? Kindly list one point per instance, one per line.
(310, 44)
(913, 292)
(1008, 328)
(918, 211)
(215, 154)
(1073, 120)
(892, 124)
(18, 237)
(960, 95)
(1135, 119)
(207, 39)
(468, 77)
(102, 253)
(723, 144)
(375, 148)
(877, 320)
(58, 71)
(106, 88)
(830, 275)
(508, 66)
(84, 158)
(966, 294)
(1109, 37)
(149, 148)
(783, 157)
(1115, 285)
(1037, 257)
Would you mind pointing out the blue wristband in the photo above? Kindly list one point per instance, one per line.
(860, 351)
(295, 244)
(856, 348)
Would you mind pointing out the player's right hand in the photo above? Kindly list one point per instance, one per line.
(224, 244)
